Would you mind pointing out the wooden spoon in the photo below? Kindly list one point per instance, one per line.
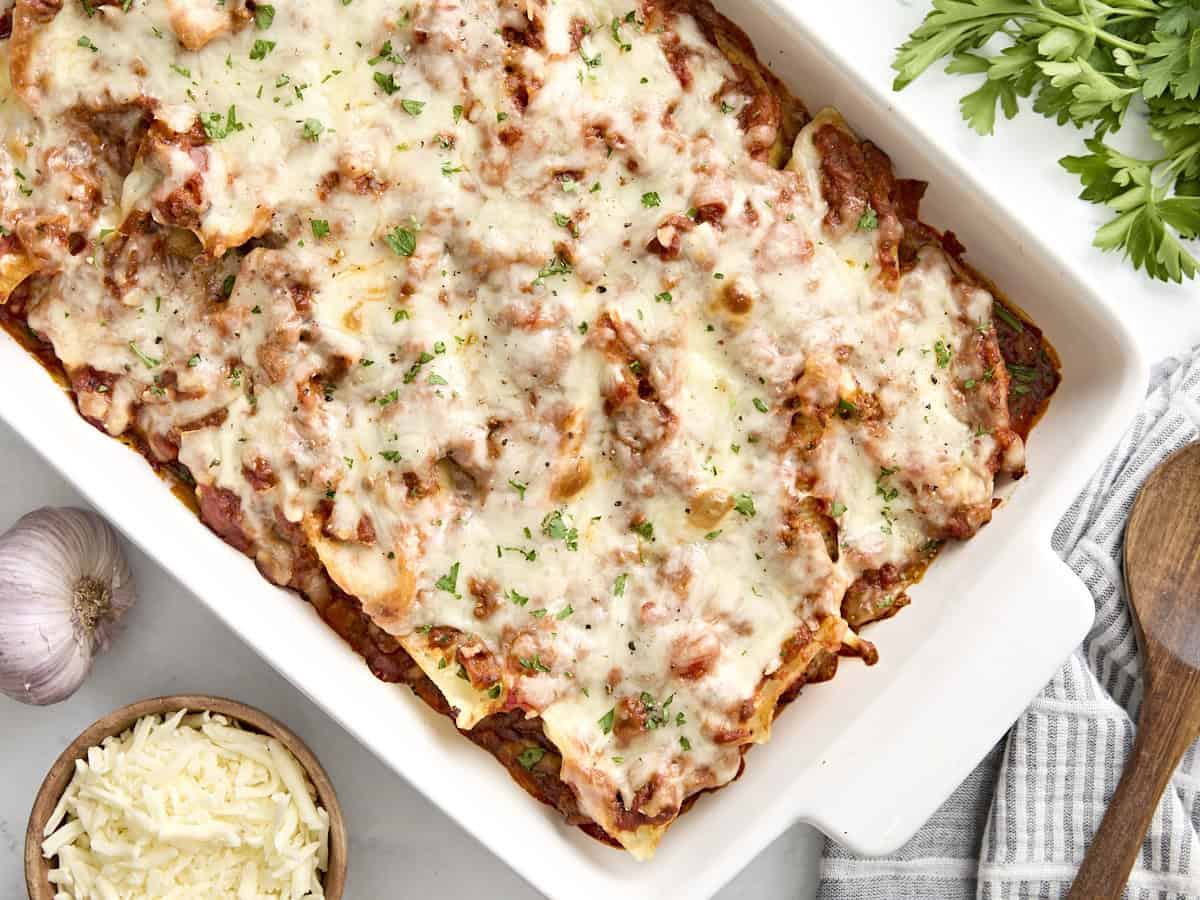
(1162, 577)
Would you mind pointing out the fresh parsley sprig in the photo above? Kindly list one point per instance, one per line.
(1086, 62)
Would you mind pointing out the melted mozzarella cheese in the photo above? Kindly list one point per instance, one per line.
(487, 358)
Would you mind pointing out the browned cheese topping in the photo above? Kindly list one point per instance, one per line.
(616, 397)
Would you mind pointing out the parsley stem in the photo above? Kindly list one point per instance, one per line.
(1064, 21)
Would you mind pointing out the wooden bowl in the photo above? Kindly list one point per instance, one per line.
(37, 869)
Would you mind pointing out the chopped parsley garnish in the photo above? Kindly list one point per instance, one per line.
(320, 227)
(561, 221)
(494, 691)
(530, 555)
(555, 528)
(1022, 373)
(387, 82)
(556, 266)
(85, 41)
(645, 529)
(412, 107)
(530, 757)
(385, 55)
(148, 361)
(884, 490)
(845, 408)
(449, 582)
(615, 28)
(264, 15)
(564, 612)
(869, 220)
(390, 455)
(744, 504)
(664, 297)
(650, 199)
(402, 241)
(836, 508)
(684, 744)
(313, 129)
(457, 112)
(1008, 318)
(606, 721)
(534, 663)
(713, 535)
(415, 369)
(217, 127)
(760, 405)
(518, 487)
(727, 108)
(656, 716)
(261, 48)
(619, 585)
(518, 598)
(193, 360)
(390, 397)
(227, 285)
(943, 354)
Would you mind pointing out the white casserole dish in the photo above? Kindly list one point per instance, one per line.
(867, 757)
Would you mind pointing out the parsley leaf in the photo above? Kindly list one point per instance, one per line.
(402, 241)
(1085, 64)
(744, 504)
(261, 48)
(449, 582)
(530, 757)
(556, 266)
(218, 128)
(313, 129)
(387, 83)
(556, 528)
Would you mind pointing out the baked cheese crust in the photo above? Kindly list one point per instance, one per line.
(614, 389)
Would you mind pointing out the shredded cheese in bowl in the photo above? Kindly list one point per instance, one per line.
(190, 805)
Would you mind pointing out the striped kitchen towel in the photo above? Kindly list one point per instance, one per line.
(1019, 825)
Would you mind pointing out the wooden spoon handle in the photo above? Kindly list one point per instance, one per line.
(1163, 735)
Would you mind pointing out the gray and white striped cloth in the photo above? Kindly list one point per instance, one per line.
(1019, 825)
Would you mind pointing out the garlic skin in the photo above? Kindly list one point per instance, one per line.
(64, 583)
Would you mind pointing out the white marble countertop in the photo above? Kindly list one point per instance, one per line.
(171, 643)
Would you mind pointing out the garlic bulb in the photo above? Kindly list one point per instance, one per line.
(63, 585)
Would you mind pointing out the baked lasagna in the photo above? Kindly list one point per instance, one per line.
(576, 374)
